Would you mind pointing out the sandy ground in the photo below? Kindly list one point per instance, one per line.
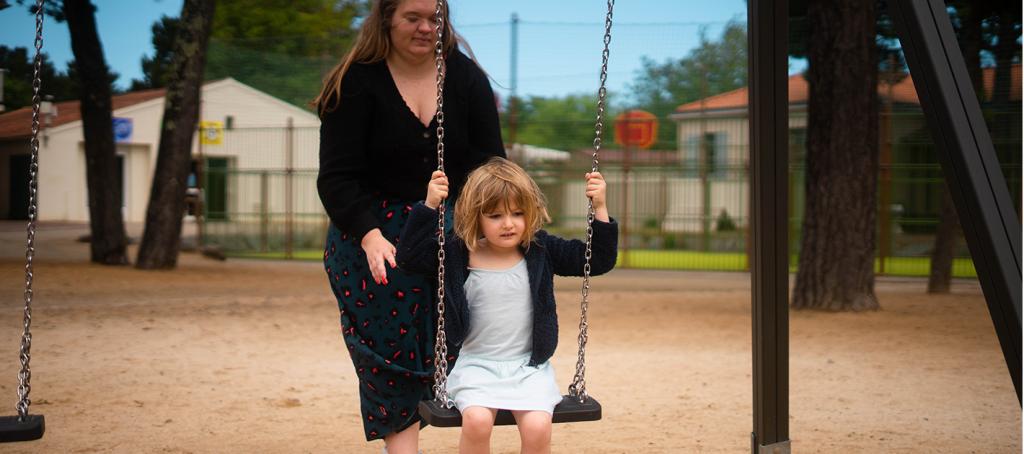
(245, 356)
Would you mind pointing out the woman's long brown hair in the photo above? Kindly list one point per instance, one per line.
(372, 45)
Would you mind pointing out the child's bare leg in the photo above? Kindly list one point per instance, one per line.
(404, 442)
(534, 431)
(477, 423)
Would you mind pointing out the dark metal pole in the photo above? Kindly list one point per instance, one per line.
(264, 212)
(513, 109)
(975, 181)
(769, 161)
(289, 204)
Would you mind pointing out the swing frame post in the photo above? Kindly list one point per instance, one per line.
(969, 163)
(769, 162)
(972, 171)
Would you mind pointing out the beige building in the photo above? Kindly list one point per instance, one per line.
(229, 104)
(719, 125)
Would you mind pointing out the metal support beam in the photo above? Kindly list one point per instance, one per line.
(976, 182)
(769, 161)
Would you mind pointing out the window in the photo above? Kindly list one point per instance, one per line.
(691, 156)
(717, 154)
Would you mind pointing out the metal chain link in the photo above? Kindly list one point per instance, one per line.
(441, 341)
(25, 375)
(578, 388)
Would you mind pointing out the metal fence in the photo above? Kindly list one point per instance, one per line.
(259, 193)
(685, 208)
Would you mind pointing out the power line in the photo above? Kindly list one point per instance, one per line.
(598, 24)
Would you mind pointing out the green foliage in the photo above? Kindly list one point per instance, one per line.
(293, 78)
(724, 223)
(713, 67)
(565, 123)
(18, 80)
(281, 47)
(53, 8)
(156, 69)
(294, 27)
(670, 242)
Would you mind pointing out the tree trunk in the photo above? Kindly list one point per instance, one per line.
(162, 237)
(105, 221)
(837, 252)
(941, 273)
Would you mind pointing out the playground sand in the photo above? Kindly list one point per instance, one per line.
(246, 356)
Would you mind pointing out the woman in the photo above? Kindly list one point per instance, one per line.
(378, 148)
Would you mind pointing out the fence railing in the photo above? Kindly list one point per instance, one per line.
(677, 209)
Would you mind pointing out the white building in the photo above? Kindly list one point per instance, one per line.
(62, 175)
(720, 123)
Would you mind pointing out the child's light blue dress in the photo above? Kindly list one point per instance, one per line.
(492, 368)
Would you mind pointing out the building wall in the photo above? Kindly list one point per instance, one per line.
(258, 149)
(735, 129)
(729, 189)
(62, 177)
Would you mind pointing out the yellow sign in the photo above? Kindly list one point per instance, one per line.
(211, 132)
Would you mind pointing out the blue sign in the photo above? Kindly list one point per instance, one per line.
(122, 130)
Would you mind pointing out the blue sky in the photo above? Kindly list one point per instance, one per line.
(559, 41)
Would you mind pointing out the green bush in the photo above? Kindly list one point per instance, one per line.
(724, 223)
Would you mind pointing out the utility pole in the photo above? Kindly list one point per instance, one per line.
(513, 108)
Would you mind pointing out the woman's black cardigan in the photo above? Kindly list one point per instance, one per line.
(547, 255)
(373, 146)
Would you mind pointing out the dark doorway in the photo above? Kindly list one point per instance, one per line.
(119, 179)
(216, 189)
(19, 165)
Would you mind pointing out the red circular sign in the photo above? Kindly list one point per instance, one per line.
(636, 128)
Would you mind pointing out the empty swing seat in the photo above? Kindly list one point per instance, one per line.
(569, 410)
(11, 429)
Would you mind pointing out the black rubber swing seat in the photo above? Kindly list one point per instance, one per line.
(12, 429)
(569, 410)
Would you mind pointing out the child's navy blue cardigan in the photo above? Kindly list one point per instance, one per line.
(547, 255)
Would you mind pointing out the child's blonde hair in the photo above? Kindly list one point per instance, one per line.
(499, 185)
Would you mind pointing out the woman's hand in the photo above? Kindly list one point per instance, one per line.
(597, 191)
(437, 189)
(379, 252)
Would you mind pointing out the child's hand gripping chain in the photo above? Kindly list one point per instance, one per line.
(597, 191)
(437, 189)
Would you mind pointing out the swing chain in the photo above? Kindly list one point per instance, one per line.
(25, 375)
(441, 341)
(578, 388)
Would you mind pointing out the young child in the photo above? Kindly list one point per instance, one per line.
(499, 301)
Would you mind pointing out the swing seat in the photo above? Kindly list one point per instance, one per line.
(11, 429)
(569, 410)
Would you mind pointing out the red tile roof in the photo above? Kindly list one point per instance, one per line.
(18, 123)
(902, 92)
